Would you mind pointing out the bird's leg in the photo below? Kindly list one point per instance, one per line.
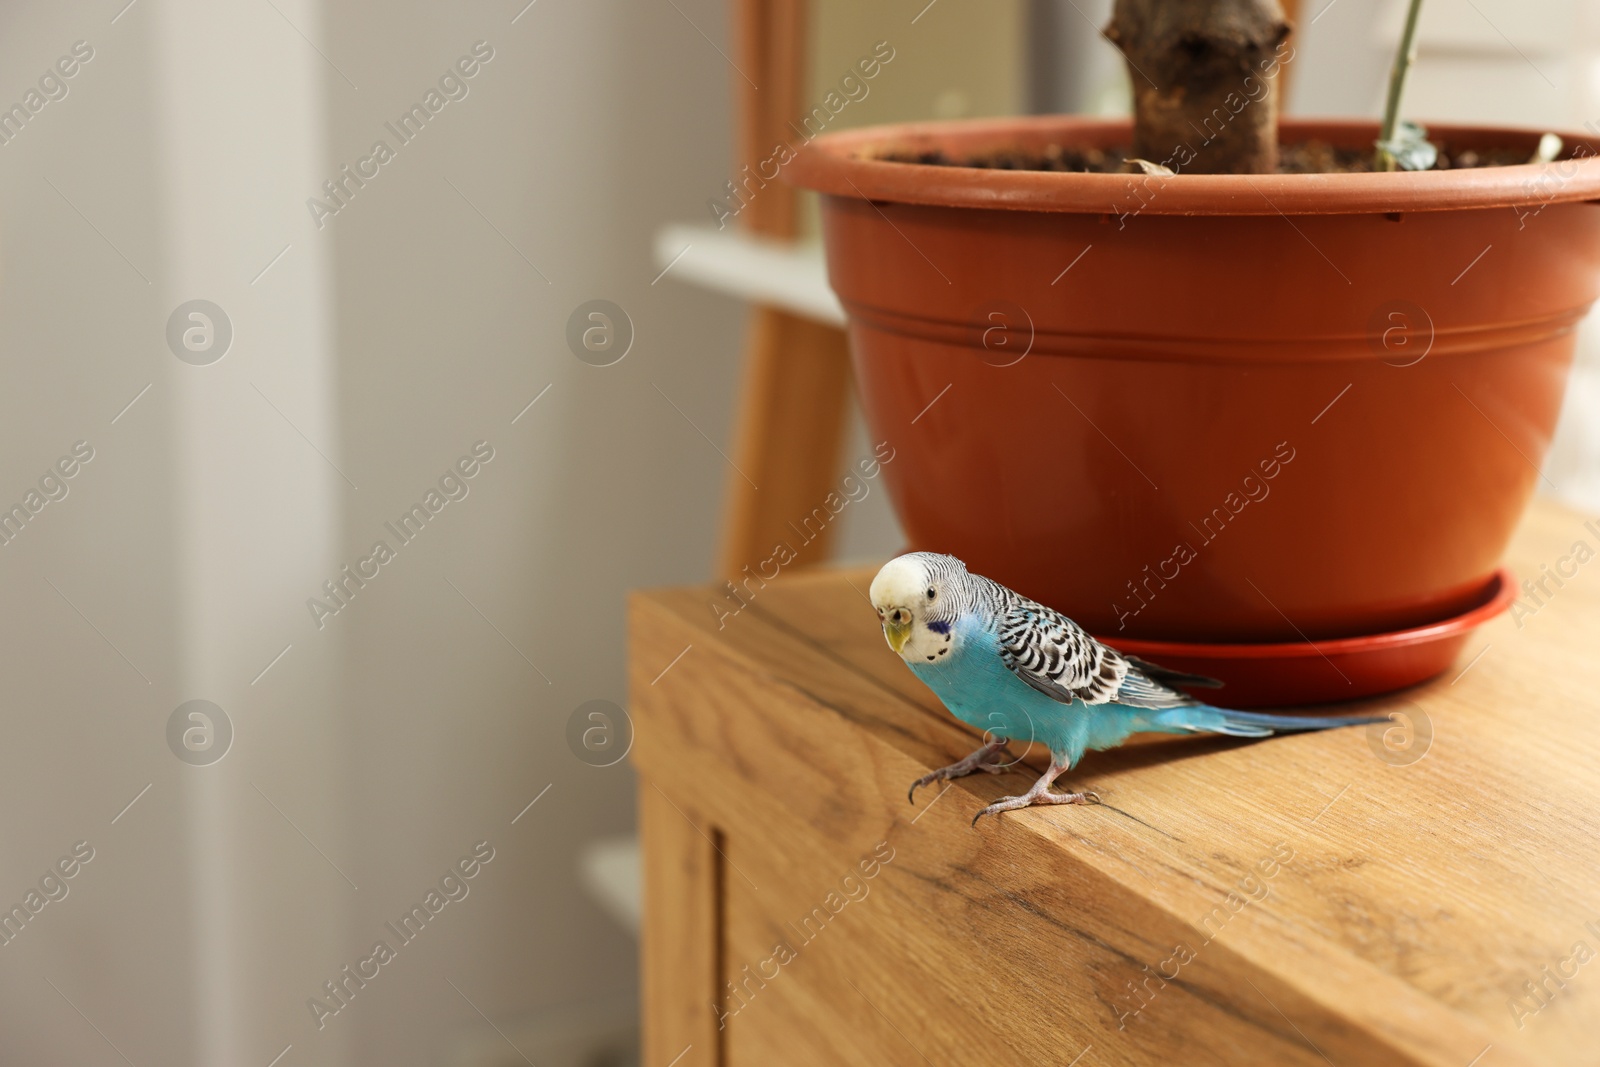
(1040, 794)
(981, 760)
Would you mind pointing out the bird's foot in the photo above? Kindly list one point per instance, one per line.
(990, 759)
(1037, 796)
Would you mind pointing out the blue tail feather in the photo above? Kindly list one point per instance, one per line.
(1203, 718)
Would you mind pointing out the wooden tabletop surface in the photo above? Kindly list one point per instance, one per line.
(1437, 903)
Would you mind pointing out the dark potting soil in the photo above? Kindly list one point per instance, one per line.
(1310, 157)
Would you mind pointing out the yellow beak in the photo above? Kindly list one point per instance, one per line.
(896, 633)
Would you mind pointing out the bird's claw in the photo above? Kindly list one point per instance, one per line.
(1037, 797)
(944, 774)
(981, 760)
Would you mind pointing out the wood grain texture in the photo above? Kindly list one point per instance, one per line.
(682, 878)
(1309, 901)
(770, 39)
(788, 441)
(786, 447)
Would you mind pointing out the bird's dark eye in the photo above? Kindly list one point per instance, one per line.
(932, 593)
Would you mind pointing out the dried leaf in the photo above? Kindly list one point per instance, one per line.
(1550, 147)
(1152, 168)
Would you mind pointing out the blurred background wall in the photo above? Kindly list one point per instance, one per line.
(374, 343)
(368, 355)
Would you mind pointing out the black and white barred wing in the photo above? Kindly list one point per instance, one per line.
(1057, 656)
(1060, 659)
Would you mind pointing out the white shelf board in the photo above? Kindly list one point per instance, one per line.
(784, 274)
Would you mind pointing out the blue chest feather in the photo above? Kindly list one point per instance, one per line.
(978, 688)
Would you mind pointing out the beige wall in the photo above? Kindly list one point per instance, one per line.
(591, 125)
(959, 59)
(379, 348)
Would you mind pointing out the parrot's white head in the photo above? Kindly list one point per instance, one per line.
(919, 597)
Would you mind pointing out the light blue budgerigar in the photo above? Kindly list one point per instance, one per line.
(1023, 672)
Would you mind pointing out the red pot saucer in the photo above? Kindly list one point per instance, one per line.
(1322, 672)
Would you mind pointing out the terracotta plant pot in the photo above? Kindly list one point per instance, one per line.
(1226, 408)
